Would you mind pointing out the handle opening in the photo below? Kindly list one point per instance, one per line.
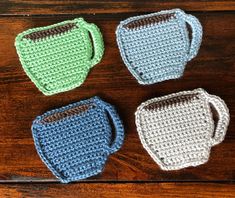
(118, 137)
(221, 117)
(215, 117)
(196, 35)
(97, 41)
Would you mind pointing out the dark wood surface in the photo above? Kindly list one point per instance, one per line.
(20, 101)
(39, 7)
(104, 190)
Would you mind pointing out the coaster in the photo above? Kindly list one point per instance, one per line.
(57, 58)
(156, 47)
(178, 130)
(75, 141)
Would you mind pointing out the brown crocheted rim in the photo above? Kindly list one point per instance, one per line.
(149, 20)
(50, 32)
(171, 101)
(70, 112)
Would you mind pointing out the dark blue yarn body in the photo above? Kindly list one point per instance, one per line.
(75, 144)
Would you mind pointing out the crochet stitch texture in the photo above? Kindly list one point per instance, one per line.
(58, 57)
(156, 47)
(178, 130)
(75, 141)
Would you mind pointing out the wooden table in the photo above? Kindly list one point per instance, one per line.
(130, 172)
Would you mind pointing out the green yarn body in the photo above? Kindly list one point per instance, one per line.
(60, 62)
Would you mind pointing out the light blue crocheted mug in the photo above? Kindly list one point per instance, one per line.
(75, 141)
(156, 47)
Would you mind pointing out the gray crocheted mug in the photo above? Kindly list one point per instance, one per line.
(156, 47)
(178, 130)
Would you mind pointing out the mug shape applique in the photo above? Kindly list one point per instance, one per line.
(178, 130)
(58, 57)
(75, 141)
(156, 47)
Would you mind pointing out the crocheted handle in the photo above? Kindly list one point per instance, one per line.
(97, 41)
(119, 137)
(196, 35)
(223, 121)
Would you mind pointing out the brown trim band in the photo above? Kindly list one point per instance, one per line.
(70, 112)
(149, 20)
(171, 101)
(50, 32)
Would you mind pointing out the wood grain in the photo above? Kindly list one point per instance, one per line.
(37, 7)
(84, 190)
(20, 102)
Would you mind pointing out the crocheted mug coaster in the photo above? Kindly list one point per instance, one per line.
(58, 57)
(75, 141)
(156, 47)
(178, 130)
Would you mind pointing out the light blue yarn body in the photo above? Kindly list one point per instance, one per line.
(77, 146)
(159, 51)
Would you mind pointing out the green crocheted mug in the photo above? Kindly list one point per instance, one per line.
(58, 57)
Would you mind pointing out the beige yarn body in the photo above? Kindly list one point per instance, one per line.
(178, 130)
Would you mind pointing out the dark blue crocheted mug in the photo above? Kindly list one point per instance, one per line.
(75, 141)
